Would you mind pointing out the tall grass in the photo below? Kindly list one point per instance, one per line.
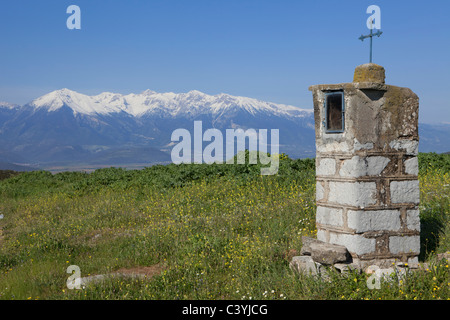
(216, 231)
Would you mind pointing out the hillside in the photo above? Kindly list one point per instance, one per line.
(15, 167)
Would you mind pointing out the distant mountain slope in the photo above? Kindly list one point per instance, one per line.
(15, 167)
(434, 138)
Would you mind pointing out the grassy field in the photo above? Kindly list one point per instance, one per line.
(196, 231)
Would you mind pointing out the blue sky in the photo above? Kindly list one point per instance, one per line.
(271, 50)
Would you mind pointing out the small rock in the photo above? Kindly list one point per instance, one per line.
(92, 279)
(85, 281)
(306, 245)
(305, 264)
(327, 253)
(323, 252)
(346, 267)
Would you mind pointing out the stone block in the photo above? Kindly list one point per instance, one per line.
(358, 194)
(305, 265)
(322, 235)
(353, 242)
(363, 166)
(376, 165)
(405, 191)
(413, 219)
(332, 147)
(376, 220)
(362, 146)
(346, 268)
(320, 192)
(327, 253)
(352, 167)
(326, 167)
(410, 147)
(404, 244)
(329, 216)
(412, 166)
(306, 245)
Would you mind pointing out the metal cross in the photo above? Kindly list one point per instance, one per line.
(371, 35)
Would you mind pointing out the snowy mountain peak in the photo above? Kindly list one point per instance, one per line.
(79, 103)
(65, 91)
(167, 104)
(7, 105)
(55, 99)
(196, 93)
(148, 92)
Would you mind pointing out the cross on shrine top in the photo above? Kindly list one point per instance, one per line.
(371, 35)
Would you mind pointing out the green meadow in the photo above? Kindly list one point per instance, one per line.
(194, 232)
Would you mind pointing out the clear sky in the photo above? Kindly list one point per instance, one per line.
(271, 50)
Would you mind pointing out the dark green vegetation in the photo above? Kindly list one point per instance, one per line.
(204, 231)
(5, 174)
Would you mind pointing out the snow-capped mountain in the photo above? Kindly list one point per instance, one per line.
(7, 105)
(168, 104)
(7, 111)
(67, 128)
(114, 129)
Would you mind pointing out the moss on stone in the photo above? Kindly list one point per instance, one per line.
(369, 72)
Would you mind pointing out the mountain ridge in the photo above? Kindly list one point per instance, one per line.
(67, 128)
(191, 103)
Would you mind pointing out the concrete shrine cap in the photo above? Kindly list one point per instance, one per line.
(369, 72)
(369, 76)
